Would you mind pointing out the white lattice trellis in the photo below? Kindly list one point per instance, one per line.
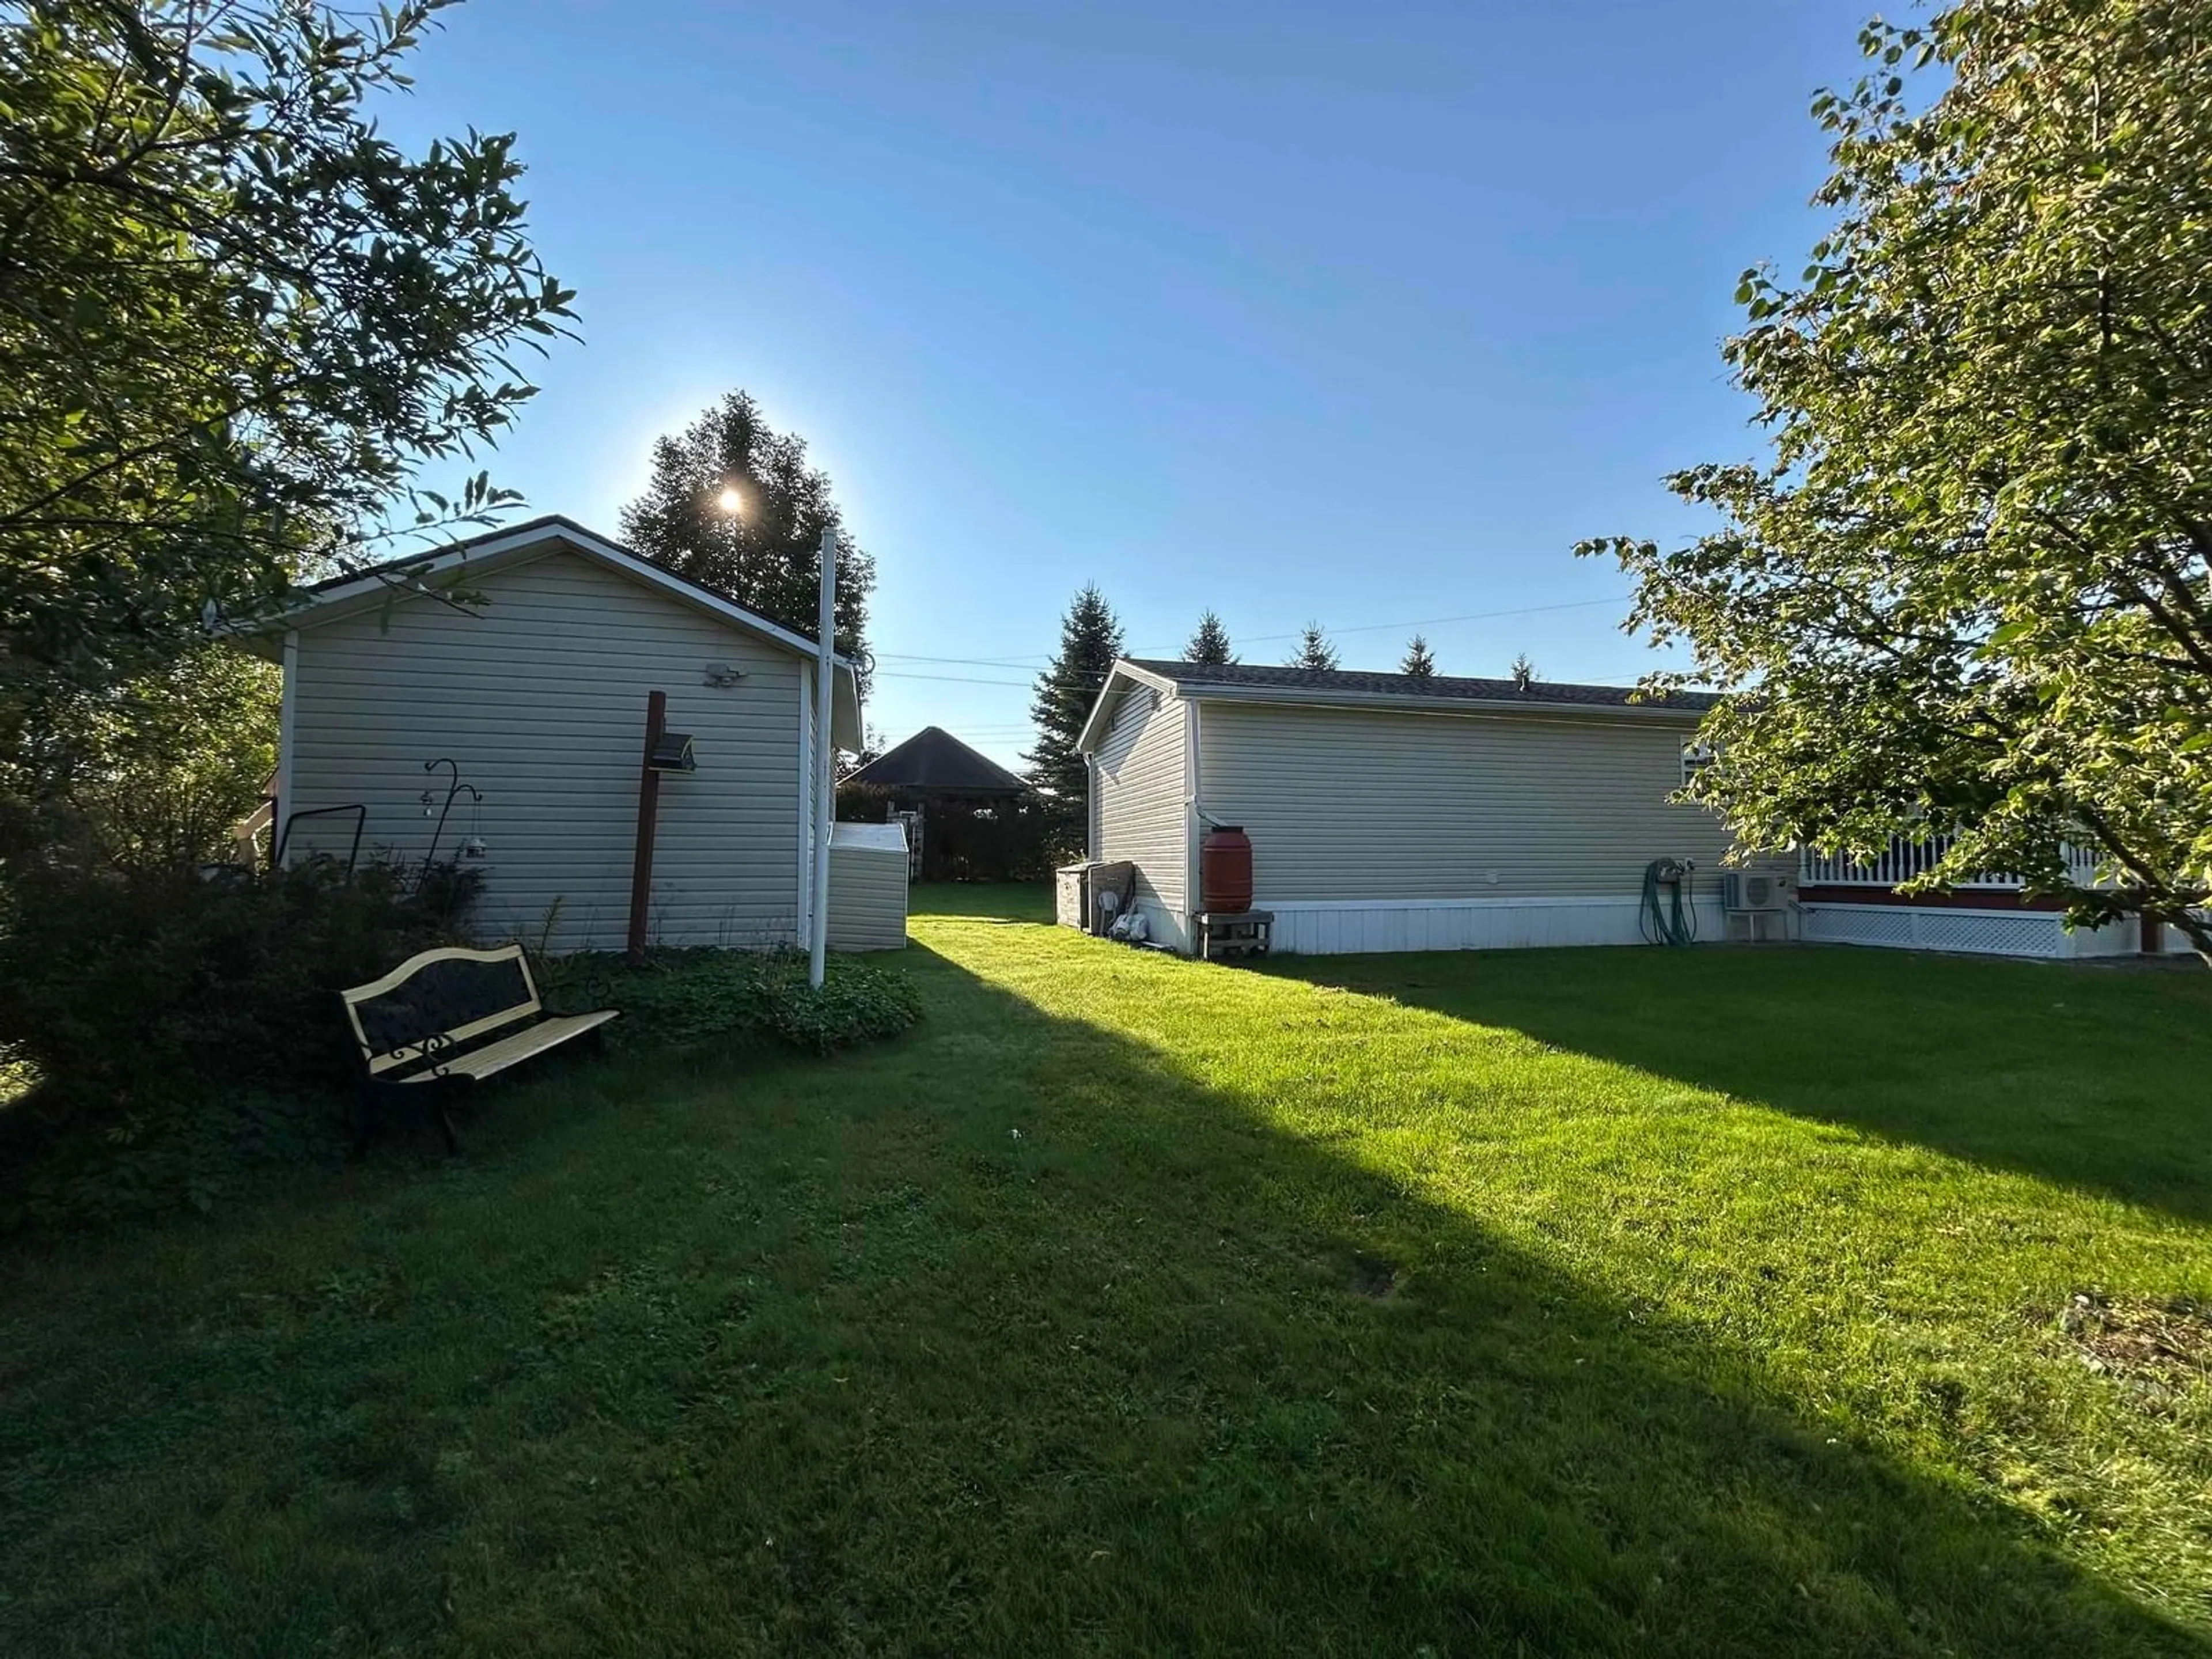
(1976, 932)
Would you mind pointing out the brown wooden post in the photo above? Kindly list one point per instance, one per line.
(648, 812)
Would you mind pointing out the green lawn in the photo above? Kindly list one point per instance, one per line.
(1602, 1301)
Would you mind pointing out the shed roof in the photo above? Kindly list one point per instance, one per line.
(426, 574)
(1341, 688)
(933, 760)
(1323, 682)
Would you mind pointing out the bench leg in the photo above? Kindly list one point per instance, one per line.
(444, 1120)
(364, 1118)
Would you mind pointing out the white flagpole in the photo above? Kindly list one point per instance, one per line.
(825, 788)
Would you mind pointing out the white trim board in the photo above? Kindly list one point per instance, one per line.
(1350, 926)
(287, 706)
(802, 924)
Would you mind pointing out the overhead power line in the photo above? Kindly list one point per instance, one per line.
(1040, 658)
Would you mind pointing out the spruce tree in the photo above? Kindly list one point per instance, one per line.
(1314, 650)
(1089, 641)
(1210, 644)
(1418, 663)
(763, 549)
(1523, 671)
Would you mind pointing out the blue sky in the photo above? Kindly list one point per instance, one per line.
(1363, 314)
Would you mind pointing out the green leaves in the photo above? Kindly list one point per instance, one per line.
(234, 321)
(767, 555)
(235, 324)
(1971, 588)
(1089, 641)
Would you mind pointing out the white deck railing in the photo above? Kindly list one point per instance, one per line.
(1903, 859)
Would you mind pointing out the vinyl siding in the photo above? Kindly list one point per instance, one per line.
(867, 895)
(1347, 805)
(539, 695)
(1138, 803)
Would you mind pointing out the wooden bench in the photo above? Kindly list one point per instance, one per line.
(448, 1016)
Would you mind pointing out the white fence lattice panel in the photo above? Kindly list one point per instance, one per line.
(1974, 932)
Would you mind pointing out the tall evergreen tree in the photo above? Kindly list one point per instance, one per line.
(1089, 641)
(1314, 650)
(733, 505)
(1210, 644)
(1417, 662)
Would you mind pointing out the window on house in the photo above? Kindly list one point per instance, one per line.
(1696, 757)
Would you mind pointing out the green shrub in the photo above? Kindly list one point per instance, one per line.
(692, 999)
(177, 1033)
(130, 993)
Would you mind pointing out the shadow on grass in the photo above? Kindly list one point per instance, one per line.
(2070, 1072)
(1010, 1337)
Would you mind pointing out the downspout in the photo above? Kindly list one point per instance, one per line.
(1193, 896)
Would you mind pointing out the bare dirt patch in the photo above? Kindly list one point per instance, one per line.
(1371, 1276)
(2157, 1346)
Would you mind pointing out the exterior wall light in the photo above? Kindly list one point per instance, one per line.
(672, 752)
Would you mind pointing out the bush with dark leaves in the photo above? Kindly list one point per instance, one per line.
(693, 998)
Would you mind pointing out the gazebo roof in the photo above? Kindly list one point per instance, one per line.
(933, 761)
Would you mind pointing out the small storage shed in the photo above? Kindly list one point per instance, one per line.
(1391, 814)
(867, 887)
(526, 659)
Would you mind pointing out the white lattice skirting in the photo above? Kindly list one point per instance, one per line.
(1980, 932)
(1348, 927)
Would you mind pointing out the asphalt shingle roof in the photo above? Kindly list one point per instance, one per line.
(1321, 682)
(934, 759)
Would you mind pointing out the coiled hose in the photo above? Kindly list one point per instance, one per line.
(1667, 919)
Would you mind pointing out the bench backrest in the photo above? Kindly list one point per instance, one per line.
(437, 999)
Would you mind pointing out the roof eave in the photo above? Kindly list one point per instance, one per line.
(344, 596)
(1302, 696)
(1094, 725)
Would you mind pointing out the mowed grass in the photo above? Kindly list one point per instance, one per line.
(1606, 1302)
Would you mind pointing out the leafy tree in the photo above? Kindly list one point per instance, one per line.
(1522, 672)
(1314, 650)
(1972, 589)
(1418, 661)
(1210, 644)
(1089, 641)
(154, 772)
(236, 321)
(762, 546)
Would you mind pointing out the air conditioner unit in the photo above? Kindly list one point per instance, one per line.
(1747, 891)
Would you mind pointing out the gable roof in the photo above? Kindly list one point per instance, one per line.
(1338, 688)
(358, 591)
(934, 759)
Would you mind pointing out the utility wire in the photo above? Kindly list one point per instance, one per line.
(1255, 639)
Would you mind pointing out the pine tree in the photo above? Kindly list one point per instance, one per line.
(1314, 650)
(1418, 663)
(767, 553)
(1523, 671)
(1210, 644)
(1089, 641)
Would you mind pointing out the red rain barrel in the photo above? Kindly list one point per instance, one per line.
(1225, 870)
